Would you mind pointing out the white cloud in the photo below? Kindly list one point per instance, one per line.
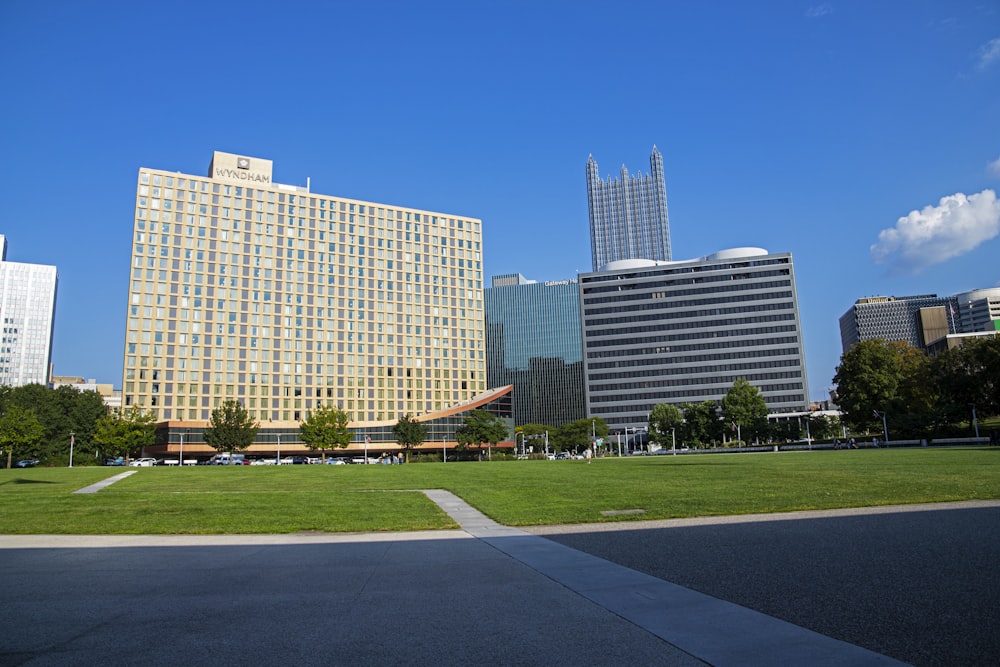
(989, 53)
(994, 167)
(938, 233)
(819, 10)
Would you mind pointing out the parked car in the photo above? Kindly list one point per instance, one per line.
(114, 462)
(145, 462)
(26, 463)
(262, 462)
(227, 459)
(336, 462)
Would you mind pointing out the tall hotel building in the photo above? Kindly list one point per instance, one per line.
(284, 299)
(27, 313)
(678, 332)
(628, 217)
(533, 343)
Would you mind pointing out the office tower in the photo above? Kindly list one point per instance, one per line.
(628, 217)
(678, 332)
(245, 289)
(533, 343)
(27, 312)
(893, 318)
(978, 310)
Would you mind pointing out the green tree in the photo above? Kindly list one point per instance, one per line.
(60, 411)
(124, 432)
(20, 431)
(969, 376)
(231, 429)
(744, 408)
(664, 420)
(578, 433)
(409, 433)
(482, 428)
(893, 378)
(702, 426)
(326, 428)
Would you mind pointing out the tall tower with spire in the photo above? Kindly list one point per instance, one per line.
(628, 217)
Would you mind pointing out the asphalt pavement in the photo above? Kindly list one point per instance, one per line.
(862, 587)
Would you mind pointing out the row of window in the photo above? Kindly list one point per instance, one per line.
(695, 359)
(700, 315)
(664, 289)
(597, 391)
(700, 334)
(687, 303)
(715, 368)
(674, 351)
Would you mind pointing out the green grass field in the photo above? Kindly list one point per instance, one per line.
(287, 499)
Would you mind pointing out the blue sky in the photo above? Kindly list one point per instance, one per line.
(863, 137)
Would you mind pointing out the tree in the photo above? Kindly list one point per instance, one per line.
(572, 435)
(482, 427)
(231, 428)
(969, 376)
(744, 408)
(664, 420)
(409, 433)
(879, 377)
(326, 428)
(122, 432)
(19, 430)
(701, 424)
(60, 411)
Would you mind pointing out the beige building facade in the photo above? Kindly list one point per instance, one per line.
(283, 299)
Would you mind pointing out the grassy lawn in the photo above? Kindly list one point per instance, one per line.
(286, 499)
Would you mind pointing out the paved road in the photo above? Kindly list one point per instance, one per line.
(918, 583)
(917, 586)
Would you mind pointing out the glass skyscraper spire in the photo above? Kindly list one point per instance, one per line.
(628, 217)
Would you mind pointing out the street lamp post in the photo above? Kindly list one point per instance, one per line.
(72, 440)
(975, 424)
(277, 458)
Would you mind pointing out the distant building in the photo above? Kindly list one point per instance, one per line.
(979, 310)
(533, 343)
(920, 320)
(677, 332)
(112, 397)
(628, 217)
(27, 314)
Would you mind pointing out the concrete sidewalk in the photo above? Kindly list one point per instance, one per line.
(486, 594)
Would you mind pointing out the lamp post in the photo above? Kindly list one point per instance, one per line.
(975, 424)
(72, 440)
(885, 428)
(180, 455)
(277, 458)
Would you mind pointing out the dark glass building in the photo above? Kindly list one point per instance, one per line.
(533, 343)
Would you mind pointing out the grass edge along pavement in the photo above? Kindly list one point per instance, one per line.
(289, 499)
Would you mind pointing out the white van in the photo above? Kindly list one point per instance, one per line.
(227, 459)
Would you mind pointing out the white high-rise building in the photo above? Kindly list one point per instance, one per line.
(27, 316)
(683, 332)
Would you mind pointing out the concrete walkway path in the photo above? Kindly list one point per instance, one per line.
(713, 630)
